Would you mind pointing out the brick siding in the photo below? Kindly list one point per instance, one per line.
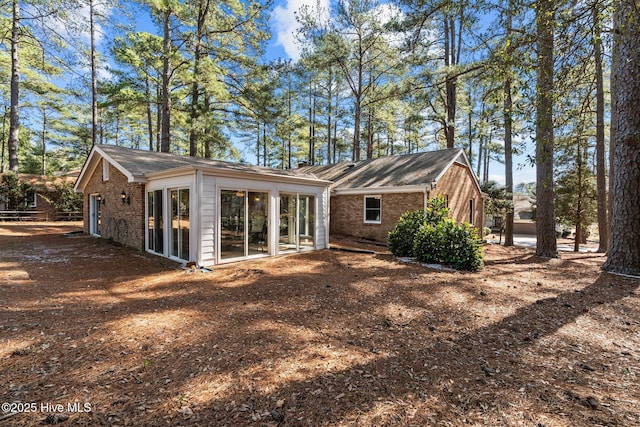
(347, 211)
(122, 223)
(347, 214)
(457, 184)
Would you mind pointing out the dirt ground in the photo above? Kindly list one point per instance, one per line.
(95, 334)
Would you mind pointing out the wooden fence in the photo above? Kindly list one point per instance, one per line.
(39, 216)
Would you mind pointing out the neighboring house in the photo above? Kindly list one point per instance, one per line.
(523, 213)
(41, 188)
(368, 197)
(198, 210)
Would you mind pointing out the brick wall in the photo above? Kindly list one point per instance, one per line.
(457, 184)
(347, 214)
(347, 211)
(123, 223)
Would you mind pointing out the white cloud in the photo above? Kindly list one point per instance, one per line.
(285, 25)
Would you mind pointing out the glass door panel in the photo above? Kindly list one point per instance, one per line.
(287, 240)
(155, 220)
(180, 223)
(258, 230)
(232, 227)
(94, 208)
(185, 224)
(307, 220)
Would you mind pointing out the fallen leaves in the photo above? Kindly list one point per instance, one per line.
(320, 338)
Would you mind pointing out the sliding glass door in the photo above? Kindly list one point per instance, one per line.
(244, 229)
(95, 221)
(155, 221)
(232, 224)
(297, 222)
(180, 223)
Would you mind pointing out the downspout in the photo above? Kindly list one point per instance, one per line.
(427, 192)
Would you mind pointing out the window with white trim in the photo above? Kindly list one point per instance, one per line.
(372, 209)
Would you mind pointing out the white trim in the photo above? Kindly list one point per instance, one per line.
(125, 172)
(93, 218)
(364, 208)
(196, 244)
(250, 175)
(465, 164)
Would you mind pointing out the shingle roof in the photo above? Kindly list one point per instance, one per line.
(391, 171)
(142, 163)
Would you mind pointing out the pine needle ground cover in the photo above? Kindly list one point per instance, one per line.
(335, 338)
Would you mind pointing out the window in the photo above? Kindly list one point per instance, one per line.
(155, 221)
(471, 211)
(244, 229)
(180, 225)
(297, 222)
(372, 209)
(95, 221)
(31, 198)
(105, 170)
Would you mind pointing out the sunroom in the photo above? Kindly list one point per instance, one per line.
(203, 211)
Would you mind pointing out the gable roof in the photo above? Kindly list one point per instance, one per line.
(392, 173)
(140, 165)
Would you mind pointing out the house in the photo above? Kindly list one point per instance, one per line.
(198, 210)
(368, 197)
(41, 190)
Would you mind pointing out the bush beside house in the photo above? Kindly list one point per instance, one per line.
(431, 236)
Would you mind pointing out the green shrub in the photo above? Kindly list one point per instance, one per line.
(432, 237)
(401, 238)
(455, 245)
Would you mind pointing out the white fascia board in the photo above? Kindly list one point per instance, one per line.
(94, 161)
(170, 173)
(125, 172)
(87, 170)
(384, 190)
(466, 163)
(220, 172)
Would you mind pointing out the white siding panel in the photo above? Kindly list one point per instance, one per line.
(208, 221)
(321, 229)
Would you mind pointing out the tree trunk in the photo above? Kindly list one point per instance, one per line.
(450, 82)
(546, 245)
(508, 131)
(195, 94)
(203, 11)
(165, 138)
(329, 105)
(147, 92)
(601, 185)
(624, 252)
(369, 134)
(94, 79)
(613, 117)
(14, 117)
(4, 120)
(44, 140)
(207, 140)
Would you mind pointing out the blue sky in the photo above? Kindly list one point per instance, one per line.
(284, 25)
(282, 45)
